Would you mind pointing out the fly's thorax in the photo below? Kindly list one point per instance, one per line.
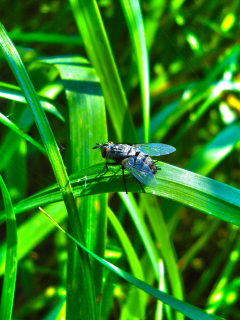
(118, 152)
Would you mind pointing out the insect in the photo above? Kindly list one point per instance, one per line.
(136, 159)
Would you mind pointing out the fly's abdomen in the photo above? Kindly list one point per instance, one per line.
(148, 161)
(151, 164)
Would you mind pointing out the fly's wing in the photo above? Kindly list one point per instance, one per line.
(154, 149)
(140, 171)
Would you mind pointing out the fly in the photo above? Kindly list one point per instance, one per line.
(136, 159)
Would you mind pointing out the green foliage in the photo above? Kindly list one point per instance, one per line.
(73, 59)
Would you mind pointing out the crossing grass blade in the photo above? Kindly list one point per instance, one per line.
(14, 93)
(55, 158)
(189, 310)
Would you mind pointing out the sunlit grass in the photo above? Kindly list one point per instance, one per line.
(124, 71)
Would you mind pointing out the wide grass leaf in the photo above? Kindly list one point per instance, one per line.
(196, 191)
(55, 159)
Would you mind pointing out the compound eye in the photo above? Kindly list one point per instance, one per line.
(104, 152)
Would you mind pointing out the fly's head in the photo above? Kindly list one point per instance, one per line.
(104, 147)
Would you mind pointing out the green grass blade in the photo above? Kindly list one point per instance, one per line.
(28, 237)
(198, 245)
(134, 19)
(132, 208)
(47, 136)
(188, 188)
(8, 288)
(152, 19)
(52, 38)
(210, 155)
(135, 267)
(18, 131)
(14, 93)
(216, 295)
(11, 142)
(131, 255)
(187, 309)
(91, 27)
(161, 234)
(86, 115)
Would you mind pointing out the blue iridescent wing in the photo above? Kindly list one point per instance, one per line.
(154, 149)
(140, 171)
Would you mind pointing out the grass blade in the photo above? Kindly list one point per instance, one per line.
(8, 289)
(185, 308)
(91, 27)
(47, 136)
(188, 188)
(133, 15)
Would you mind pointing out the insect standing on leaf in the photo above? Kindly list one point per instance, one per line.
(136, 159)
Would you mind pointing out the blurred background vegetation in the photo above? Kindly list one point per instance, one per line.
(195, 103)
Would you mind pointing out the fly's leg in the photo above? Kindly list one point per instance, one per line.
(109, 164)
(124, 180)
(156, 168)
(141, 185)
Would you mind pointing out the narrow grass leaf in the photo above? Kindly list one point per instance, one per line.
(135, 266)
(187, 309)
(29, 237)
(152, 20)
(161, 234)
(14, 93)
(210, 155)
(8, 289)
(52, 38)
(23, 119)
(134, 19)
(142, 229)
(25, 136)
(90, 25)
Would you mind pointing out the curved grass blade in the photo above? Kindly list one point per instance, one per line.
(14, 93)
(188, 188)
(28, 237)
(25, 136)
(91, 27)
(8, 288)
(133, 15)
(187, 309)
(47, 136)
(204, 161)
(214, 94)
(210, 155)
(23, 119)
